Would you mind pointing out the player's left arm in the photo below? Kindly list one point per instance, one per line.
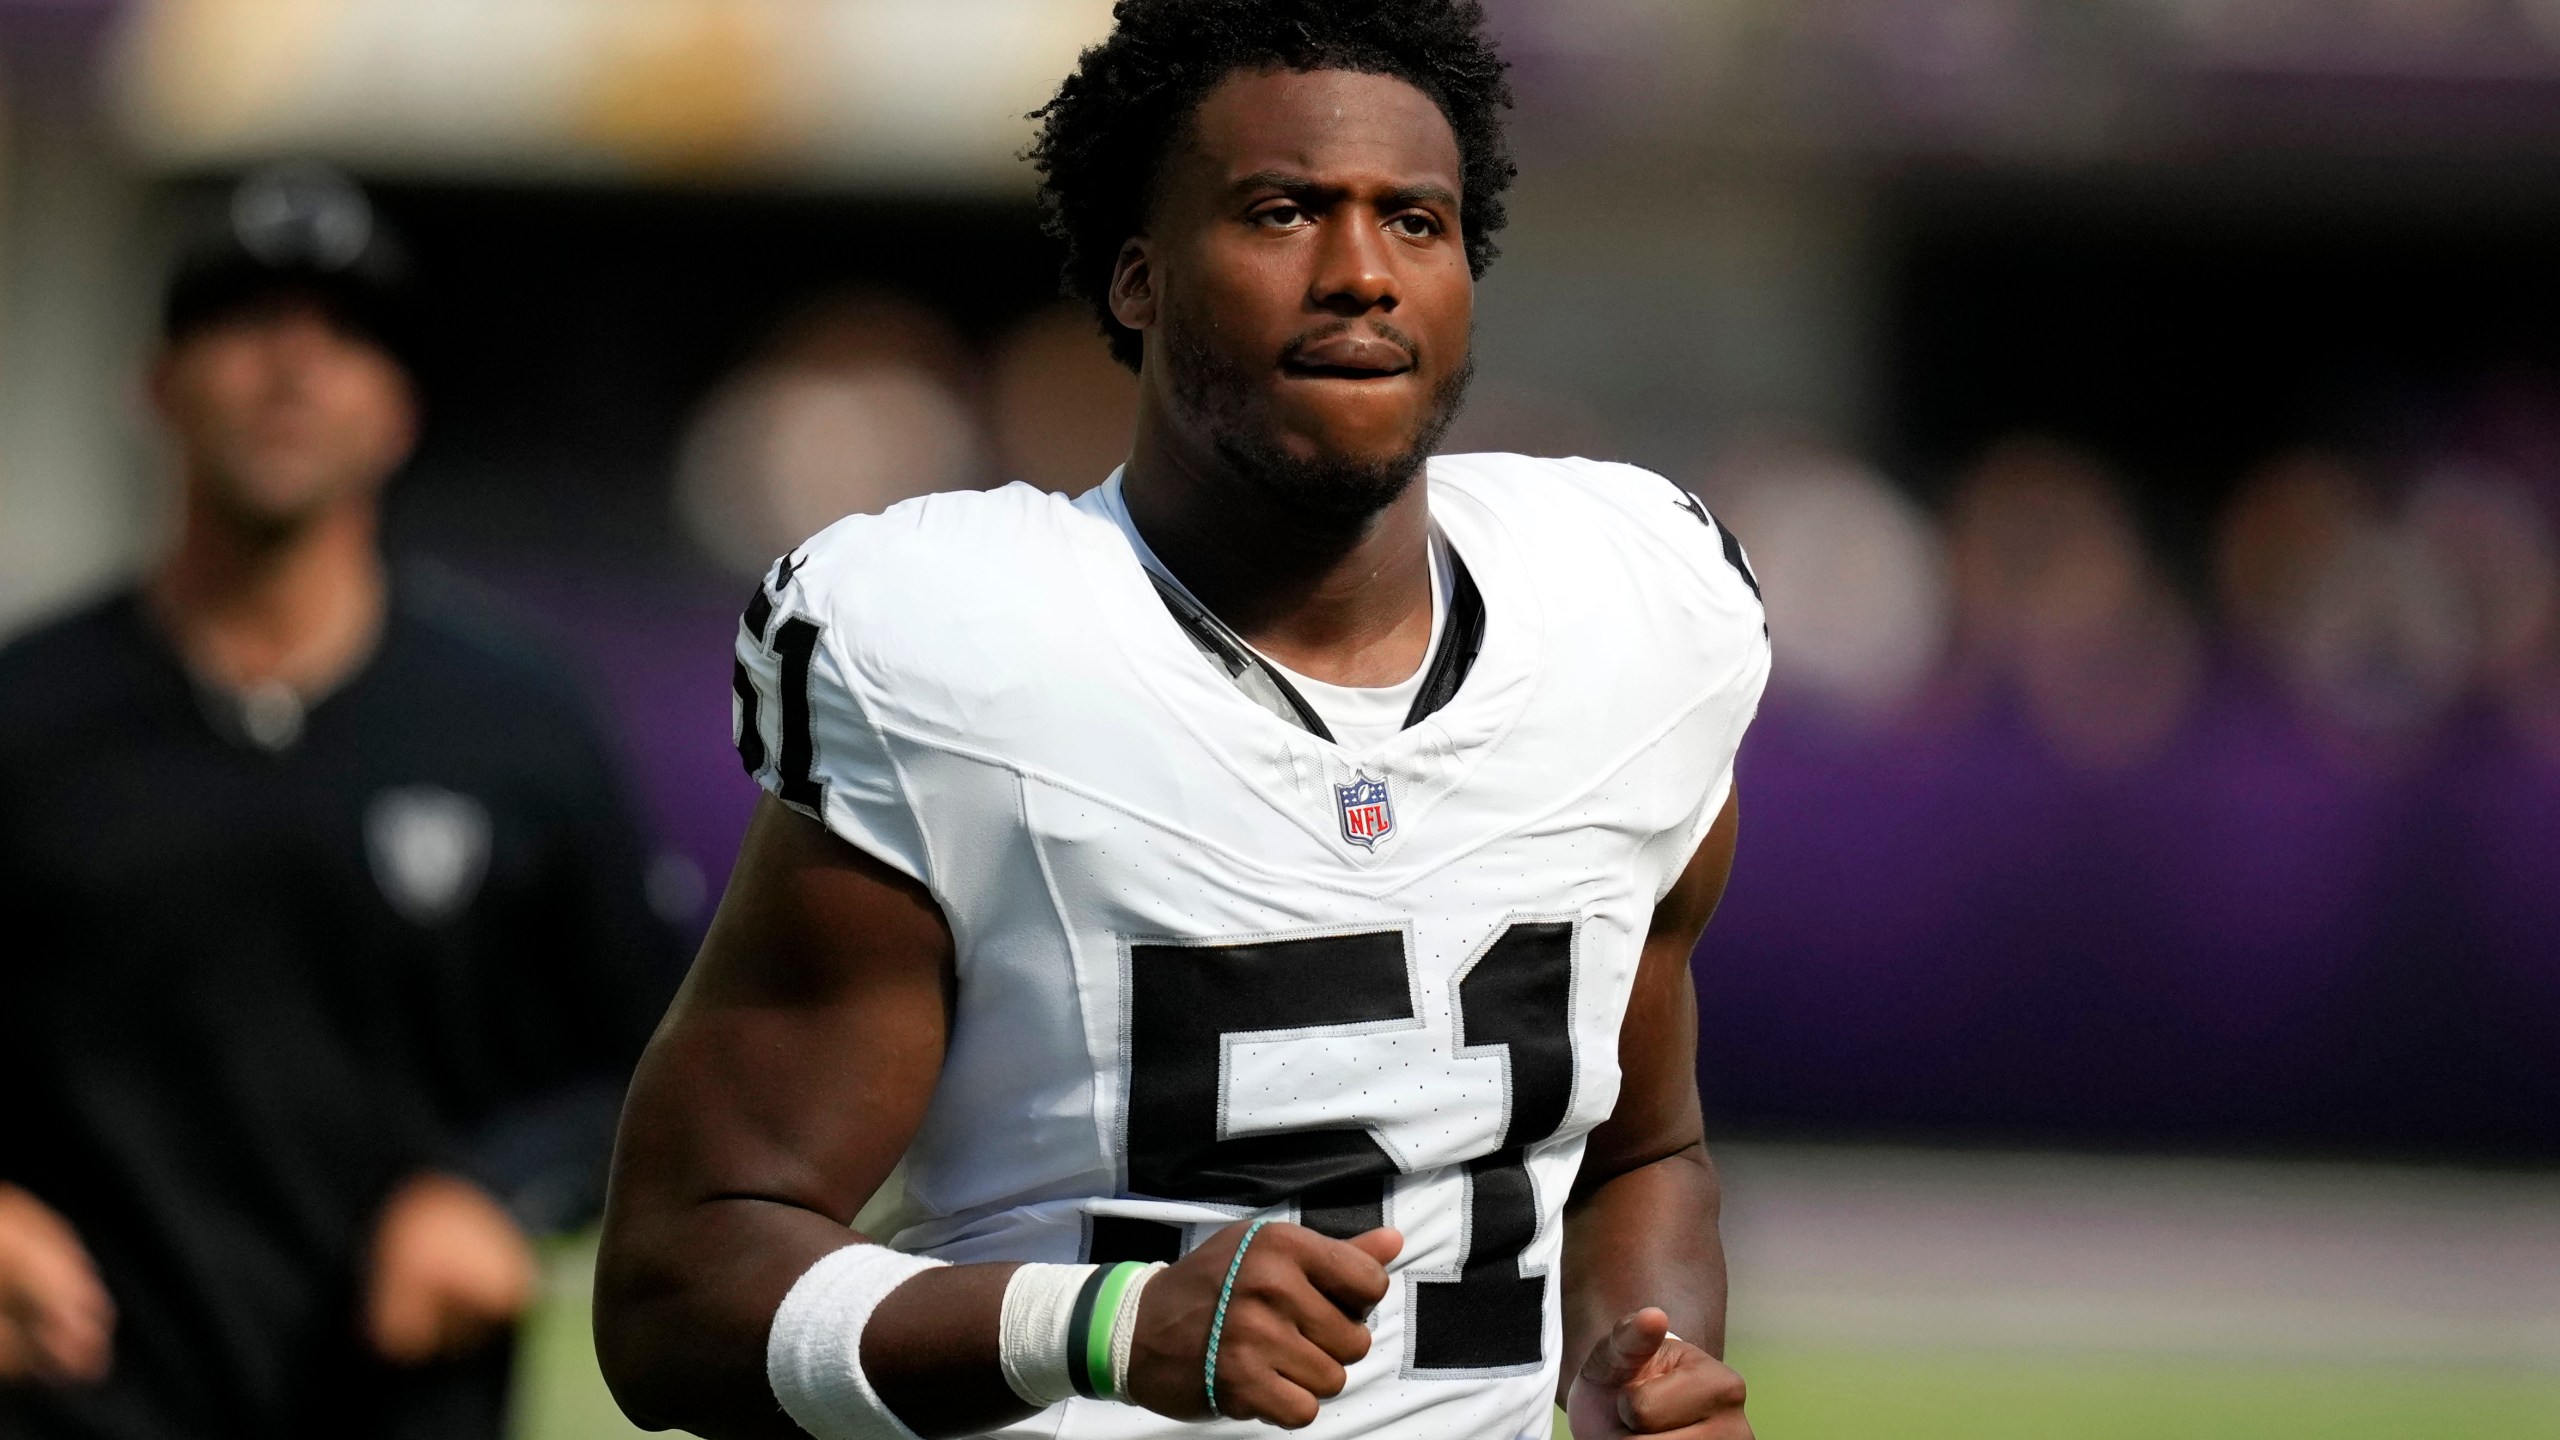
(1644, 1279)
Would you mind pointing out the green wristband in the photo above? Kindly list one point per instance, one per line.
(1097, 1327)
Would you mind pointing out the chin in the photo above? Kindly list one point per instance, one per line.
(281, 504)
(1344, 483)
(1336, 452)
(1362, 445)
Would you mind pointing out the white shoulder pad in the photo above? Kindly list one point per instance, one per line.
(1636, 512)
(843, 621)
(1631, 564)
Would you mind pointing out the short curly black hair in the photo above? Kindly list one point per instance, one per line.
(1104, 134)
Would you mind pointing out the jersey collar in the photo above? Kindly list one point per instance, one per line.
(1461, 636)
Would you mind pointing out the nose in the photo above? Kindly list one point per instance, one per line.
(1355, 272)
(295, 347)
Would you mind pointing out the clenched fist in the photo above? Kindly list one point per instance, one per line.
(1642, 1380)
(1295, 1319)
(450, 1269)
(56, 1323)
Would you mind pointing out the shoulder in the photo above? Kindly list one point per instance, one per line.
(85, 658)
(1588, 522)
(954, 541)
(69, 641)
(1656, 644)
(946, 583)
(945, 616)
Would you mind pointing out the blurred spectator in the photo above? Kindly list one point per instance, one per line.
(2357, 617)
(330, 950)
(1063, 407)
(2533, 707)
(2276, 539)
(2494, 541)
(1855, 573)
(856, 404)
(2491, 539)
(2057, 596)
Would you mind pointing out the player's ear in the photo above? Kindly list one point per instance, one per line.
(1133, 285)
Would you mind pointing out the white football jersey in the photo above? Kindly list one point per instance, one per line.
(1212, 965)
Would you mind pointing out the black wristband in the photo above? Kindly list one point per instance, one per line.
(1079, 1321)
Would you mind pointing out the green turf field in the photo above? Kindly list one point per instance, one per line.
(1815, 1394)
(1826, 1393)
(1905, 1294)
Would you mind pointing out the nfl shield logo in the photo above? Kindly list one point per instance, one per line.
(1367, 818)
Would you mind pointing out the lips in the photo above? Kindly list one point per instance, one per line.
(1347, 356)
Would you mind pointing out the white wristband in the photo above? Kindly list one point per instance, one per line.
(1124, 1331)
(1032, 1338)
(1038, 1344)
(813, 1355)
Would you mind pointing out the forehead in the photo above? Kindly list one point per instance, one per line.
(1332, 125)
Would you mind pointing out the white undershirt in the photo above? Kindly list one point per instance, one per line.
(1360, 716)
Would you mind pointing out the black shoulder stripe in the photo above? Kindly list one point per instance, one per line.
(1732, 547)
(1695, 506)
(1733, 553)
(759, 614)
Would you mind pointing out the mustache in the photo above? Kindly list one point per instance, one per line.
(1297, 348)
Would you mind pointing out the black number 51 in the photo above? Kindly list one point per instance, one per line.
(1186, 1001)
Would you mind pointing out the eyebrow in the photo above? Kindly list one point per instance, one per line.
(1298, 186)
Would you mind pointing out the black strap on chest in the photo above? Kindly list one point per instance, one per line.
(1461, 638)
(1259, 679)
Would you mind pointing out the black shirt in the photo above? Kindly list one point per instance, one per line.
(248, 984)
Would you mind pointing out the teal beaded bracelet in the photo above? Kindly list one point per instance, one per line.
(1218, 1321)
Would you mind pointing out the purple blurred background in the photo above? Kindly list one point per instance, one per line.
(2144, 414)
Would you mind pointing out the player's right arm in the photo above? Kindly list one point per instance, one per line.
(790, 1075)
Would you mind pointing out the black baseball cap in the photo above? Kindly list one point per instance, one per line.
(297, 229)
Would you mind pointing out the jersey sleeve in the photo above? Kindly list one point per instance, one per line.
(1737, 570)
(1738, 580)
(1707, 583)
(802, 729)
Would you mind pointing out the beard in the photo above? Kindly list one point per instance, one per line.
(263, 509)
(1340, 490)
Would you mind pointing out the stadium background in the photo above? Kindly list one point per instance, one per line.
(2137, 1009)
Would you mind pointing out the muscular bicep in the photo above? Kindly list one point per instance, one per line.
(798, 1058)
(783, 1085)
(1657, 1112)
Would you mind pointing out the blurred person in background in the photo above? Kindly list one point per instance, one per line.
(2353, 608)
(1855, 571)
(1063, 410)
(2490, 537)
(857, 402)
(2057, 596)
(329, 949)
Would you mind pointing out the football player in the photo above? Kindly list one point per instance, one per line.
(1252, 902)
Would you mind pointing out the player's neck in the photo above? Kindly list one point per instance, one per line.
(250, 606)
(1349, 604)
